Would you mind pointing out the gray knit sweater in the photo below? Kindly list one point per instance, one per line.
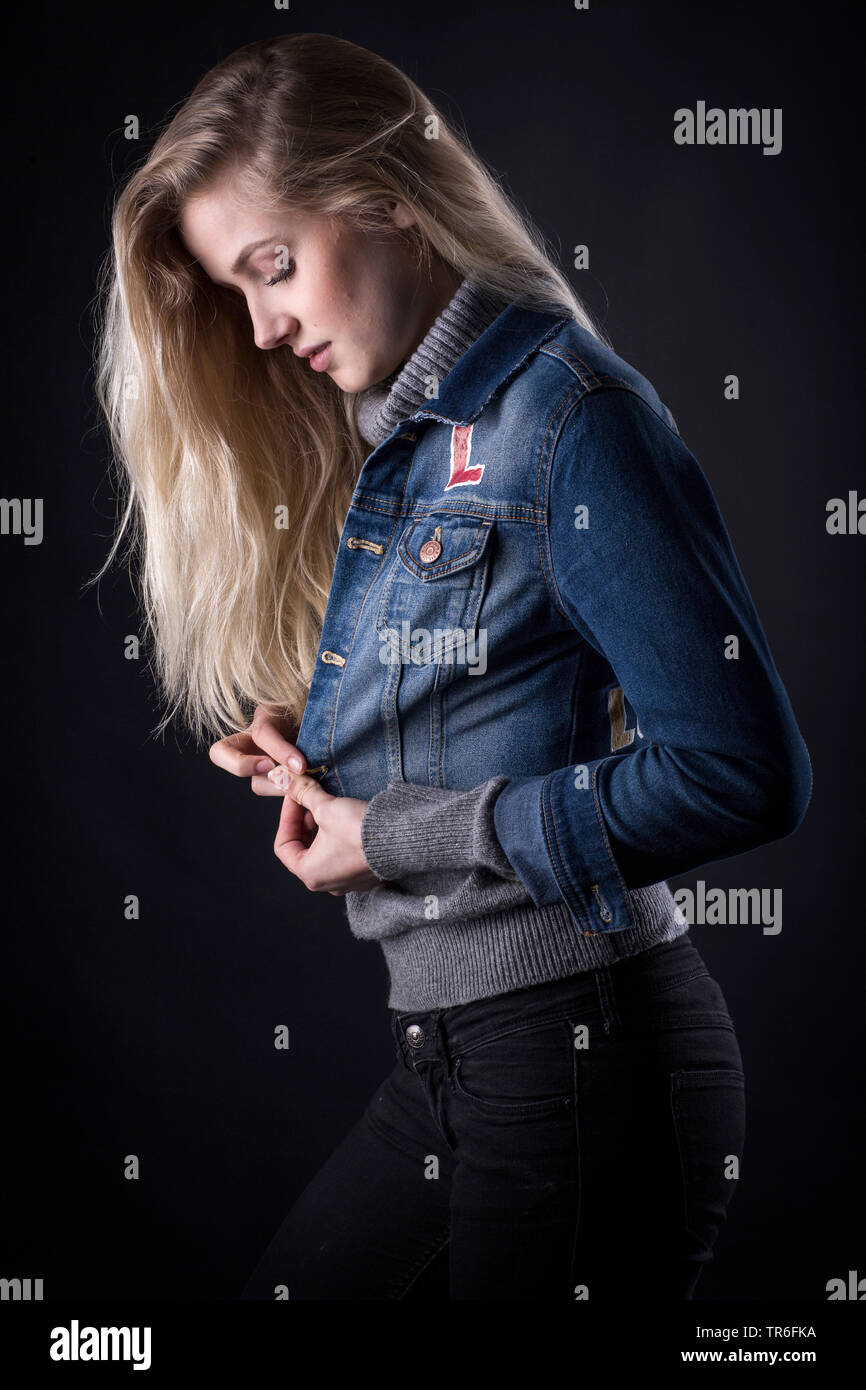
(452, 917)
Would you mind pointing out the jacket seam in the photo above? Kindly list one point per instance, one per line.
(597, 381)
(489, 511)
(542, 492)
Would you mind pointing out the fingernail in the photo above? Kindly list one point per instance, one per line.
(295, 763)
(263, 765)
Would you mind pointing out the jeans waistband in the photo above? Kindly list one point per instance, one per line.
(590, 994)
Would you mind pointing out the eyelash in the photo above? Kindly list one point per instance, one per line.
(282, 274)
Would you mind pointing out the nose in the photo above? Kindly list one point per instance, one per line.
(266, 340)
(272, 330)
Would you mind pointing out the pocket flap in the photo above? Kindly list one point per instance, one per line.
(450, 543)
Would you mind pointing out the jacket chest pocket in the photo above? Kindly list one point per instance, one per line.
(433, 591)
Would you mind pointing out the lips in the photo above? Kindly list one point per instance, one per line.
(311, 351)
(320, 359)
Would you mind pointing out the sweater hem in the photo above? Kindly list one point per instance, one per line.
(438, 966)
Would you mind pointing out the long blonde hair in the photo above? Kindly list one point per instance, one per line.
(211, 434)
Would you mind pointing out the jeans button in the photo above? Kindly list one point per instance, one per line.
(415, 1035)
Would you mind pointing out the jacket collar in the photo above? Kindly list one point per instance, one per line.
(489, 362)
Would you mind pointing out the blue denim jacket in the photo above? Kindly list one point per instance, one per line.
(534, 580)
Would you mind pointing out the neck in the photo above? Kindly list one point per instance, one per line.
(468, 311)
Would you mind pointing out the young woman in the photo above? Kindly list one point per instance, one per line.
(441, 563)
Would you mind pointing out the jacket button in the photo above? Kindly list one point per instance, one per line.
(415, 1035)
(430, 550)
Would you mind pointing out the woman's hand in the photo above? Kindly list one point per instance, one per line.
(255, 751)
(307, 822)
(330, 860)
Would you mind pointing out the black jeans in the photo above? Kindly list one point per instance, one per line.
(572, 1140)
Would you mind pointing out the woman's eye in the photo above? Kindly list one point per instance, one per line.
(282, 274)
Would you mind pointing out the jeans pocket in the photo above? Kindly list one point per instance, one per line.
(709, 1116)
(525, 1071)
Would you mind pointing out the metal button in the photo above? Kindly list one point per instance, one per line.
(430, 550)
(415, 1035)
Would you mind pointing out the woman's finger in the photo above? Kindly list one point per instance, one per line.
(306, 797)
(254, 751)
(293, 838)
(293, 823)
(262, 785)
(269, 737)
(239, 754)
(303, 789)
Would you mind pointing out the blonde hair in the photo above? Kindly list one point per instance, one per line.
(211, 434)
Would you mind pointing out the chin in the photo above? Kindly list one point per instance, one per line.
(357, 383)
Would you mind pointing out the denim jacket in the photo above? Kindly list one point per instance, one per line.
(534, 581)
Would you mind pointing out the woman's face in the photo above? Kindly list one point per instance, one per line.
(310, 280)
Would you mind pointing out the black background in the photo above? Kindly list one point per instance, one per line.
(155, 1037)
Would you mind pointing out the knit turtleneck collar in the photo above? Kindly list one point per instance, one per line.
(379, 408)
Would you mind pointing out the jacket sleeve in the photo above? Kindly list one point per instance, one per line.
(638, 559)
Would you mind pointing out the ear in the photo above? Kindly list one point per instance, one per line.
(401, 214)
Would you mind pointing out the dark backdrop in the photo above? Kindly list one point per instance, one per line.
(155, 1037)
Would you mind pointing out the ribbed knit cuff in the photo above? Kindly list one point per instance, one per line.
(408, 829)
